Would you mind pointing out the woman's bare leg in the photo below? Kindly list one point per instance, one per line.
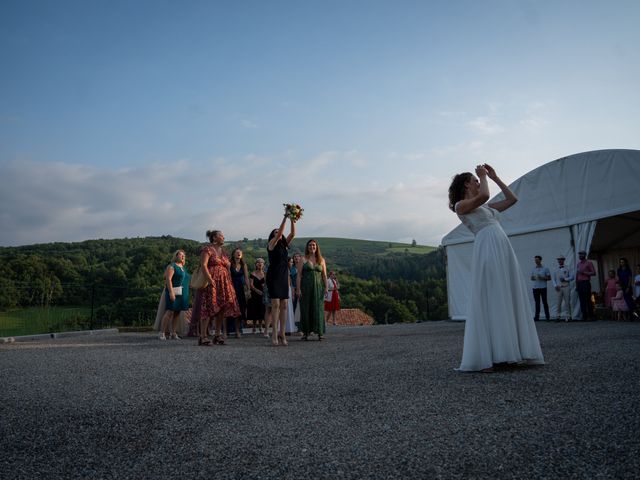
(204, 327)
(273, 317)
(174, 324)
(164, 324)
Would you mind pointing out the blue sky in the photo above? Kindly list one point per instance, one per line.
(136, 118)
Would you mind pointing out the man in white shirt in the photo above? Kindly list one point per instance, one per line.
(540, 275)
(561, 278)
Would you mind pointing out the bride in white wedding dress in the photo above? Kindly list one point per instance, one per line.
(499, 328)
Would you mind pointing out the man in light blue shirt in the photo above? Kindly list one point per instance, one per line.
(540, 275)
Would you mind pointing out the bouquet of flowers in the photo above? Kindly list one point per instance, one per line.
(293, 211)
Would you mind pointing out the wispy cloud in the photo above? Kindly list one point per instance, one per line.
(486, 125)
(534, 118)
(66, 202)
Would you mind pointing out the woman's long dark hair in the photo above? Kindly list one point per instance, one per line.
(457, 188)
(233, 258)
(626, 264)
(282, 238)
(318, 254)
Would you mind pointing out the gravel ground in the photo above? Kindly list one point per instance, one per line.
(369, 402)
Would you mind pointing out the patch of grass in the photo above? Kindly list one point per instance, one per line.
(35, 320)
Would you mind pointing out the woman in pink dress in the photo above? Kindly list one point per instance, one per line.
(217, 300)
(619, 304)
(610, 291)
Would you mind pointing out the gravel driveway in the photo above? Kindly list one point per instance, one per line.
(369, 402)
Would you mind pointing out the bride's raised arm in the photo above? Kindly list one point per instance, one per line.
(510, 198)
(478, 191)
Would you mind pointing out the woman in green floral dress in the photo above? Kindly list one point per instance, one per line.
(311, 288)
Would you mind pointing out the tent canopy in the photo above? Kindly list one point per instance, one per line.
(587, 201)
(569, 191)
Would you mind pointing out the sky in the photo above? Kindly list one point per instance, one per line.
(124, 118)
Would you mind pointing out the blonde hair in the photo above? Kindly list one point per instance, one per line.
(175, 255)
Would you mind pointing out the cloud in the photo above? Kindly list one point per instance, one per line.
(486, 126)
(46, 202)
(534, 118)
(248, 123)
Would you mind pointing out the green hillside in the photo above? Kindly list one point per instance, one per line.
(119, 281)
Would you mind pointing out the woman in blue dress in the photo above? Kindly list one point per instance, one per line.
(176, 295)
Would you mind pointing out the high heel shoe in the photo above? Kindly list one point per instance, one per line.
(204, 342)
(218, 340)
(284, 340)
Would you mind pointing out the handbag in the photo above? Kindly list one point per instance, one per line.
(198, 279)
(177, 290)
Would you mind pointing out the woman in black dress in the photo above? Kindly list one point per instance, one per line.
(255, 306)
(278, 278)
(240, 279)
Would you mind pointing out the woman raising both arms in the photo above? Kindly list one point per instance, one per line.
(278, 277)
(499, 328)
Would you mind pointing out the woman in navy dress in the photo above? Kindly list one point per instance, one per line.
(278, 278)
(240, 279)
(255, 307)
(625, 277)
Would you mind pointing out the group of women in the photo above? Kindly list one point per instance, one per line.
(231, 293)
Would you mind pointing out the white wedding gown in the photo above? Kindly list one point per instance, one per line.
(290, 326)
(499, 326)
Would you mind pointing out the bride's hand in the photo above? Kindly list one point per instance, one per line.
(491, 173)
(481, 171)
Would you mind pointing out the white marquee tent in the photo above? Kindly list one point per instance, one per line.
(588, 201)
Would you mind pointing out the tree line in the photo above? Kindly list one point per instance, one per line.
(122, 278)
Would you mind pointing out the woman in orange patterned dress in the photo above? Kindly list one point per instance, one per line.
(218, 299)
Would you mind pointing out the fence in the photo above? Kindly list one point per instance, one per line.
(80, 307)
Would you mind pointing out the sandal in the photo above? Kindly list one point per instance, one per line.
(305, 338)
(204, 342)
(218, 340)
(284, 340)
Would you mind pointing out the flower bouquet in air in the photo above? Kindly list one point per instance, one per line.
(293, 211)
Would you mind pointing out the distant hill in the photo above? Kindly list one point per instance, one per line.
(362, 258)
(120, 279)
(340, 253)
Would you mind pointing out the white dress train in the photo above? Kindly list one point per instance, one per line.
(499, 326)
(290, 326)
